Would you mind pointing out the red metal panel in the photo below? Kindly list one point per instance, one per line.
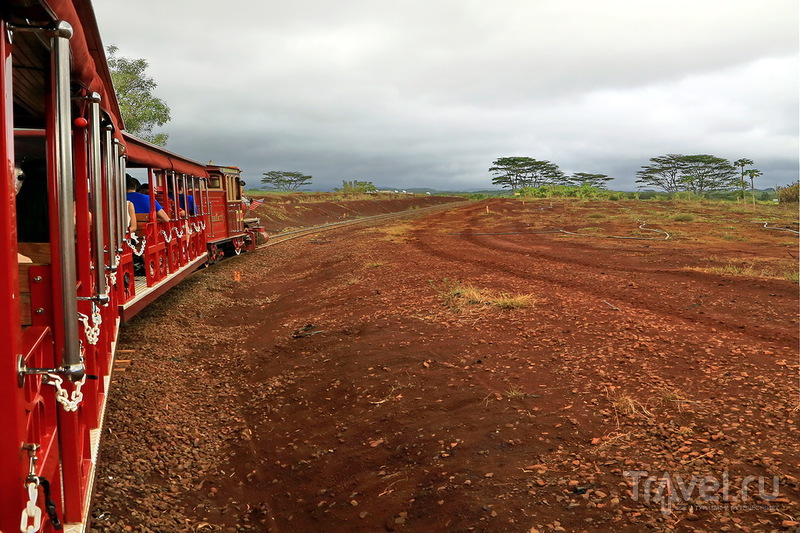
(217, 223)
(41, 407)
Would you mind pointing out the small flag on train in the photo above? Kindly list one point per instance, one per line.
(256, 203)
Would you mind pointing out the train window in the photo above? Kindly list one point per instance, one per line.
(214, 182)
(229, 188)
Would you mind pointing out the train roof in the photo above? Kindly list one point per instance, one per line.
(141, 153)
(89, 68)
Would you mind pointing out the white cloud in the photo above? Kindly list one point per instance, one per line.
(410, 92)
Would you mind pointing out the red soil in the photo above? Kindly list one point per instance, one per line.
(346, 382)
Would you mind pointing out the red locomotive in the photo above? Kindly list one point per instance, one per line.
(75, 260)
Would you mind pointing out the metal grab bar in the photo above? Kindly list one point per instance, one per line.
(71, 358)
(119, 191)
(96, 171)
(112, 200)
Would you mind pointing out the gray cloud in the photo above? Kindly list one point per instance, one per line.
(413, 93)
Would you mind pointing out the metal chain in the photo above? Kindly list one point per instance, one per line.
(135, 238)
(31, 511)
(62, 396)
(92, 332)
(168, 238)
(112, 276)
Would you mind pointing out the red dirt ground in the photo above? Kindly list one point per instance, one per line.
(352, 381)
(282, 212)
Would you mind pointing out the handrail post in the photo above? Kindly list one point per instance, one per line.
(112, 200)
(71, 359)
(96, 172)
(119, 174)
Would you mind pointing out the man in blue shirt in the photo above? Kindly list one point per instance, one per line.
(141, 202)
(183, 199)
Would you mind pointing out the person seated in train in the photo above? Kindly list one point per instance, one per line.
(144, 188)
(183, 200)
(33, 221)
(132, 222)
(141, 202)
(17, 186)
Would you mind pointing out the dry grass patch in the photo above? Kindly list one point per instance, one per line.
(515, 393)
(750, 271)
(397, 232)
(627, 406)
(461, 297)
(513, 301)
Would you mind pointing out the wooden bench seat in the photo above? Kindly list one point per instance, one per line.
(39, 254)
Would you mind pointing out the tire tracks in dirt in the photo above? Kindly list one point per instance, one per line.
(595, 291)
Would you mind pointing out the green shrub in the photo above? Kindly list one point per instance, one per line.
(789, 193)
(566, 191)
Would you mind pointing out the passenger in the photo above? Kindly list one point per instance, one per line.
(17, 186)
(144, 188)
(33, 222)
(141, 202)
(183, 199)
(132, 222)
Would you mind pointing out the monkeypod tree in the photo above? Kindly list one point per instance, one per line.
(356, 186)
(597, 181)
(141, 111)
(703, 173)
(509, 171)
(699, 173)
(664, 173)
(285, 180)
(518, 172)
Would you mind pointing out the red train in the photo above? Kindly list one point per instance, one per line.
(72, 267)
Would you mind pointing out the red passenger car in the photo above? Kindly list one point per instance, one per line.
(71, 268)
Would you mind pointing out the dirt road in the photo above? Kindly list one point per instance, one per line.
(473, 370)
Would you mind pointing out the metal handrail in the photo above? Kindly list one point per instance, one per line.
(111, 221)
(71, 360)
(96, 173)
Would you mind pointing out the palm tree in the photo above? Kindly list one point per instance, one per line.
(753, 173)
(741, 163)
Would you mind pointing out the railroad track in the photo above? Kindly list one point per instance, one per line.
(303, 232)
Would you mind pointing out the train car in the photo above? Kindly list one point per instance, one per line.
(73, 264)
(226, 233)
(163, 252)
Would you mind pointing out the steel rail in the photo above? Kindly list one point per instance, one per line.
(302, 232)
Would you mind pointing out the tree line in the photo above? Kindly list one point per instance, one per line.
(284, 180)
(699, 174)
(518, 172)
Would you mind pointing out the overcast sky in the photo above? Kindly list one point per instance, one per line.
(410, 93)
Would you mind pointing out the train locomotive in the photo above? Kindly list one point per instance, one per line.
(74, 263)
